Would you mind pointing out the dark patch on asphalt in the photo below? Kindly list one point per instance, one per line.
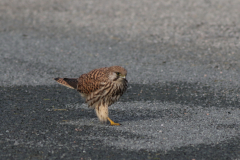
(66, 143)
(179, 93)
(184, 93)
(24, 100)
(225, 150)
(29, 126)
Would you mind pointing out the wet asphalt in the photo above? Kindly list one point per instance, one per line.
(182, 59)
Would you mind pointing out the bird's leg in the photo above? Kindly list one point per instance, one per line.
(113, 123)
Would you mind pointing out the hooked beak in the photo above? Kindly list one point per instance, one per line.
(123, 77)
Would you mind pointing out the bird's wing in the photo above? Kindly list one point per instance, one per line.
(88, 84)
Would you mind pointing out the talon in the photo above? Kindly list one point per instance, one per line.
(113, 123)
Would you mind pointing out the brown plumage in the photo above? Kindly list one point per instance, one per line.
(100, 88)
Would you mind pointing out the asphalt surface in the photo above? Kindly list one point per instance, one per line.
(183, 68)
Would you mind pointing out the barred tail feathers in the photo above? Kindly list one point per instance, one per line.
(68, 82)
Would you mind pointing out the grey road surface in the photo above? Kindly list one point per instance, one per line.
(183, 62)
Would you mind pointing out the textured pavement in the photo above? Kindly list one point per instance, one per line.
(183, 63)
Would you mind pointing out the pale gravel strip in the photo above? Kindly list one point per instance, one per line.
(196, 126)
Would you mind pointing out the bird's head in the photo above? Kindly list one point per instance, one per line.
(117, 73)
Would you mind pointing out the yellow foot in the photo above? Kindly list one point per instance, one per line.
(113, 123)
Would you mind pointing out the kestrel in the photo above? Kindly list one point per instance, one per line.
(100, 88)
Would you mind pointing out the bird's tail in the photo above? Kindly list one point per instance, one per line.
(68, 82)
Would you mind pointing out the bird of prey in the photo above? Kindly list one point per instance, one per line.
(100, 88)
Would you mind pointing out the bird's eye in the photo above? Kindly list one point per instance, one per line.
(118, 73)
